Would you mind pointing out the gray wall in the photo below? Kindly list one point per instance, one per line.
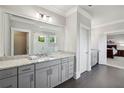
(71, 33)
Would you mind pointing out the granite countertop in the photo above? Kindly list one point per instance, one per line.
(24, 60)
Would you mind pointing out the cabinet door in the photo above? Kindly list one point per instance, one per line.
(9, 82)
(71, 69)
(26, 80)
(54, 77)
(42, 78)
(65, 71)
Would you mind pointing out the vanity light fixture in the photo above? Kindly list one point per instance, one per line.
(45, 17)
(38, 15)
(49, 18)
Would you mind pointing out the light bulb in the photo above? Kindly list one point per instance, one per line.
(44, 17)
(37, 15)
(50, 19)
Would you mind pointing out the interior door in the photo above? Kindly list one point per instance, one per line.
(84, 49)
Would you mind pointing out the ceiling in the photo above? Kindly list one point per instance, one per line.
(101, 14)
(105, 14)
(59, 9)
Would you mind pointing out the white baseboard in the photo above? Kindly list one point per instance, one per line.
(77, 75)
(115, 66)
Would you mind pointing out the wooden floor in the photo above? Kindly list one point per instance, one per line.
(101, 76)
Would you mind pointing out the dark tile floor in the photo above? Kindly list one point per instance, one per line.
(101, 76)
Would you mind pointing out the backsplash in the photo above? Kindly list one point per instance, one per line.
(42, 42)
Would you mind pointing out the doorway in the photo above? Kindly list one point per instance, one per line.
(20, 42)
(115, 50)
(111, 51)
(85, 52)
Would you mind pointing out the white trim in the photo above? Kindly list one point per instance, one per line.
(19, 19)
(76, 75)
(119, 67)
(12, 43)
(107, 24)
(30, 18)
(71, 11)
(19, 29)
(80, 10)
(100, 50)
(12, 36)
(84, 13)
(115, 31)
(58, 11)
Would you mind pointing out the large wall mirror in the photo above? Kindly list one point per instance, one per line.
(22, 36)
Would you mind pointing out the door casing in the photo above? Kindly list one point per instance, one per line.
(12, 39)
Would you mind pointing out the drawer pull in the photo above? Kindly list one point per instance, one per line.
(26, 69)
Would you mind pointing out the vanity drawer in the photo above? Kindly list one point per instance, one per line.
(8, 73)
(10, 82)
(25, 69)
(64, 60)
(71, 59)
(71, 70)
(71, 63)
(47, 64)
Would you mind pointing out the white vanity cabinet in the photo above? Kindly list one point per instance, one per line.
(42, 78)
(94, 57)
(44, 74)
(54, 77)
(64, 71)
(47, 74)
(71, 66)
(67, 68)
(26, 76)
(8, 78)
(52, 73)
(9, 82)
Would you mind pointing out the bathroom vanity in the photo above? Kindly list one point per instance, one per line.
(25, 73)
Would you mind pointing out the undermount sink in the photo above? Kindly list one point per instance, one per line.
(41, 58)
(33, 57)
(44, 59)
